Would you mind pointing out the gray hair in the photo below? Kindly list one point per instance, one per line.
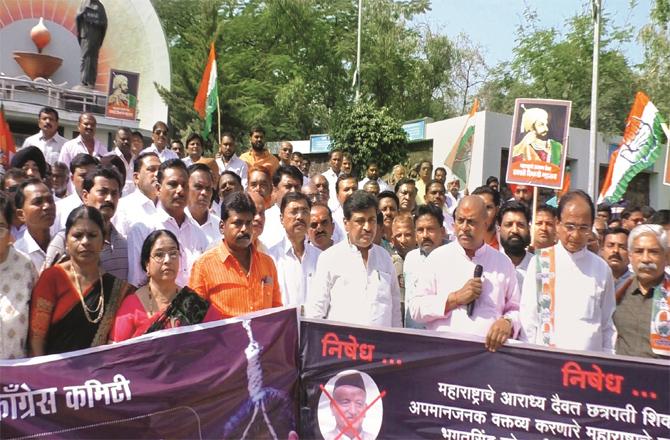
(655, 230)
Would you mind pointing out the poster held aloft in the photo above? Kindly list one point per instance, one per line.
(539, 142)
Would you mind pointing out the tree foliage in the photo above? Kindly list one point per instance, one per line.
(370, 134)
(549, 64)
(655, 69)
(289, 65)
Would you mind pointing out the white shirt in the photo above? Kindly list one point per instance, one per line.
(331, 177)
(49, 147)
(584, 302)
(383, 186)
(499, 297)
(294, 275)
(129, 185)
(192, 243)
(63, 209)
(237, 166)
(211, 228)
(451, 202)
(132, 209)
(345, 289)
(187, 161)
(29, 246)
(16, 285)
(76, 146)
(273, 231)
(162, 155)
(522, 268)
(413, 268)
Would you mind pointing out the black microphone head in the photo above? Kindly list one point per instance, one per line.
(479, 269)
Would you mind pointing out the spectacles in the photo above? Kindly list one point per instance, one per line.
(582, 229)
(159, 132)
(159, 256)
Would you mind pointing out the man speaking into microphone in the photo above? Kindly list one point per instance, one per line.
(451, 297)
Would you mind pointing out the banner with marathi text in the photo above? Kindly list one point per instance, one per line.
(228, 379)
(407, 384)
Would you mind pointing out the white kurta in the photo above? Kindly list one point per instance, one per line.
(294, 275)
(345, 289)
(49, 147)
(211, 228)
(237, 166)
(273, 231)
(132, 209)
(76, 146)
(162, 155)
(413, 269)
(585, 303)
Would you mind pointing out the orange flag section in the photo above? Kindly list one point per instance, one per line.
(200, 102)
(7, 145)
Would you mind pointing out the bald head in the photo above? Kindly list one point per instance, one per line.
(470, 222)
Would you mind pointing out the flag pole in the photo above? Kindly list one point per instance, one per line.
(218, 115)
(534, 215)
(593, 134)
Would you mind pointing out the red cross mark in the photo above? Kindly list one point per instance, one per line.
(350, 424)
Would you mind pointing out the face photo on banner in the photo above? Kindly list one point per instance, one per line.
(350, 407)
(539, 142)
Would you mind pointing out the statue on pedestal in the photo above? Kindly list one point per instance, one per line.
(91, 29)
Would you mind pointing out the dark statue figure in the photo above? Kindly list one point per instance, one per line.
(91, 29)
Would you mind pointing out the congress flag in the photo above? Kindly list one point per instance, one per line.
(7, 146)
(206, 101)
(458, 159)
(639, 149)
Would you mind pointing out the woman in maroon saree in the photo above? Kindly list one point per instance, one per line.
(74, 303)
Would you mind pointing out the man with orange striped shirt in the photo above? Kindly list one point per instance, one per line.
(234, 276)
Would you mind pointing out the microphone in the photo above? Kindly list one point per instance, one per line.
(479, 269)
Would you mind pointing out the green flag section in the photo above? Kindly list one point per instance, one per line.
(639, 149)
(206, 101)
(459, 157)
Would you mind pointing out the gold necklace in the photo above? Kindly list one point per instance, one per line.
(100, 309)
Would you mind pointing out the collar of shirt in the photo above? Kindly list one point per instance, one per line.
(479, 253)
(210, 218)
(163, 217)
(634, 289)
(142, 199)
(30, 243)
(123, 158)
(225, 254)
(574, 256)
(287, 248)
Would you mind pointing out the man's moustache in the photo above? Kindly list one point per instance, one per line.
(615, 257)
(243, 237)
(107, 205)
(647, 266)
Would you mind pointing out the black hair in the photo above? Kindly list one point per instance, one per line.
(358, 201)
(138, 133)
(572, 195)
(20, 196)
(82, 160)
(435, 182)
(404, 181)
(6, 208)
(125, 129)
(177, 141)
(48, 110)
(149, 242)
(293, 197)
(514, 206)
(200, 167)
(256, 129)
(239, 202)
(14, 174)
(290, 171)
(84, 212)
(297, 154)
(647, 211)
(488, 190)
(390, 195)
(228, 134)
(232, 173)
(330, 154)
(158, 124)
(425, 161)
(168, 164)
(626, 213)
(604, 208)
(430, 210)
(342, 177)
(660, 217)
(115, 161)
(137, 163)
(438, 169)
(102, 171)
(548, 209)
(491, 179)
(192, 136)
(614, 231)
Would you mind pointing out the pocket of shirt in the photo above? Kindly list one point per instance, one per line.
(591, 307)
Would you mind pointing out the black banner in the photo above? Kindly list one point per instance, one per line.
(365, 383)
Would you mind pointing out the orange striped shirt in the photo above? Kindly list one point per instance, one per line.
(218, 277)
(264, 159)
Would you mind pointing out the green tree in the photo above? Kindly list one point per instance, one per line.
(548, 64)
(370, 134)
(655, 69)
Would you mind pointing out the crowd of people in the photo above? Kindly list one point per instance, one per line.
(98, 247)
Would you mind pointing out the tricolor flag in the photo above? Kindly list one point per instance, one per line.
(639, 148)
(208, 93)
(7, 146)
(458, 159)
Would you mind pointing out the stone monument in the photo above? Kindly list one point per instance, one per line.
(91, 29)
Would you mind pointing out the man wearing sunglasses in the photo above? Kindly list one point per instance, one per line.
(160, 137)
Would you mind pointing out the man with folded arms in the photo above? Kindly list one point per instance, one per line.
(642, 317)
(442, 299)
(567, 298)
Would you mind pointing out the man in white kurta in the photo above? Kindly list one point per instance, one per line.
(295, 258)
(583, 294)
(449, 284)
(355, 281)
